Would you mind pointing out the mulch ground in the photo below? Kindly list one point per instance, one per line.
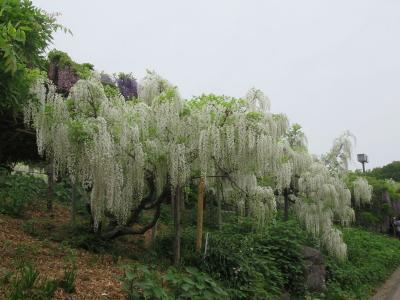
(97, 275)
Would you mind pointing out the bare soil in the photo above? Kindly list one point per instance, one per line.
(97, 275)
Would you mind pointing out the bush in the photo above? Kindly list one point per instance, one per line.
(251, 264)
(258, 265)
(17, 191)
(371, 259)
(142, 283)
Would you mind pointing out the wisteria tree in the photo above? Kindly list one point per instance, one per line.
(135, 155)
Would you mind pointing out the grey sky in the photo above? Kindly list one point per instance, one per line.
(329, 65)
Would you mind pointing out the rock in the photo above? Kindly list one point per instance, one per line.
(315, 272)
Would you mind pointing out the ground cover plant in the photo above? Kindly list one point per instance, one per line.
(19, 190)
(371, 259)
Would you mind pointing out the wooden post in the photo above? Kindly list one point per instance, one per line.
(177, 225)
(200, 214)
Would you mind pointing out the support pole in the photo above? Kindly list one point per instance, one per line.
(177, 225)
(200, 215)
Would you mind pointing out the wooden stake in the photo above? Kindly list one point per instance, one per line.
(200, 214)
(177, 225)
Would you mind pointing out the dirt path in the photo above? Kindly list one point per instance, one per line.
(391, 288)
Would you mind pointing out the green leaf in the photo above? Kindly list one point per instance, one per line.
(11, 31)
(20, 36)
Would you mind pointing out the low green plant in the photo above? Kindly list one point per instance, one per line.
(48, 289)
(62, 191)
(258, 265)
(143, 283)
(6, 277)
(67, 283)
(371, 259)
(29, 227)
(250, 263)
(26, 285)
(17, 191)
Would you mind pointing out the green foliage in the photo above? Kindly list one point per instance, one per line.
(379, 185)
(6, 277)
(230, 104)
(17, 191)
(26, 285)
(368, 218)
(110, 90)
(258, 265)
(67, 283)
(63, 60)
(78, 236)
(142, 283)
(25, 33)
(250, 264)
(373, 215)
(390, 171)
(371, 259)
(296, 138)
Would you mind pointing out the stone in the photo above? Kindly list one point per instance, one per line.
(315, 271)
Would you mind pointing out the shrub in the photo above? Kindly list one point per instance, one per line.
(258, 265)
(251, 264)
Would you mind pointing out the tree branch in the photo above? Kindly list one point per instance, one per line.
(227, 175)
(125, 230)
(25, 131)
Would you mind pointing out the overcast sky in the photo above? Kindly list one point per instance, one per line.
(329, 65)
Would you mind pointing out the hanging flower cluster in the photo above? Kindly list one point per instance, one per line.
(362, 191)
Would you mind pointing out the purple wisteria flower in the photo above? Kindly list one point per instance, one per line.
(127, 85)
(63, 78)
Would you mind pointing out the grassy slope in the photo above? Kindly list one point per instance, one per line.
(371, 260)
